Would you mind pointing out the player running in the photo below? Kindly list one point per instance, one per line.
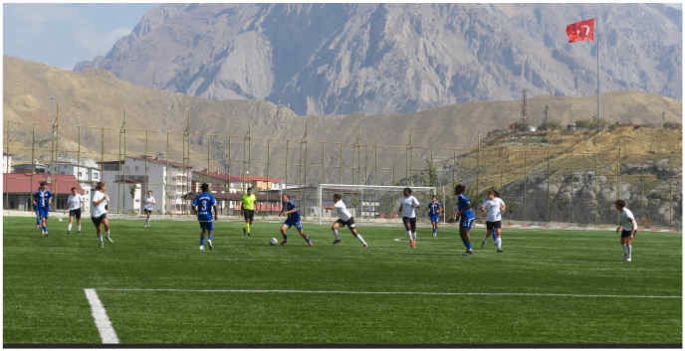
(493, 208)
(247, 208)
(344, 219)
(98, 214)
(465, 217)
(434, 211)
(203, 205)
(407, 211)
(75, 202)
(42, 200)
(289, 209)
(148, 207)
(628, 229)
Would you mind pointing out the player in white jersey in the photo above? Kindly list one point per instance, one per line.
(98, 212)
(493, 208)
(148, 207)
(408, 212)
(75, 202)
(344, 219)
(628, 229)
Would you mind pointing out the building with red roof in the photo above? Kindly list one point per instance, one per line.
(18, 189)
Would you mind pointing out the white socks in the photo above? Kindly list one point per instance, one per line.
(107, 233)
(361, 240)
(628, 251)
(69, 227)
(413, 236)
(499, 243)
(410, 235)
(79, 228)
(336, 235)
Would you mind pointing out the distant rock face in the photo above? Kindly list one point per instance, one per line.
(379, 58)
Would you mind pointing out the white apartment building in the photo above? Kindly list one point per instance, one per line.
(87, 173)
(168, 180)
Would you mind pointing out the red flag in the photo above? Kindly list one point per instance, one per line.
(581, 31)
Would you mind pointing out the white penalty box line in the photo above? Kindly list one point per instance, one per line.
(102, 322)
(424, 293)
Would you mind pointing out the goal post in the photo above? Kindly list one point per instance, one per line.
(371, 203)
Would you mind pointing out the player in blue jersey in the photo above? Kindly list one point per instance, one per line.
(465, 217)
(293, 219)
(35, 209)
(203, 205)
(434, 211)
(42, 200)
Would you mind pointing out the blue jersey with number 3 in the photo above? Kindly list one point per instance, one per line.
(204, 203)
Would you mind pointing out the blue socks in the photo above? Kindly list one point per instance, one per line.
(494, 235)
(211, 236)
(468, 245)
(202, 240)
(285, 238)
(307, 240)
(435, 230)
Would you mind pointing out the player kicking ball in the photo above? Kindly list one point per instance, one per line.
(493, 208)
(203, 205)
(465, 217)
(434, 211)
(628, 229)
(344, 219)
(293, 219)
(407, 210)
(42, 200)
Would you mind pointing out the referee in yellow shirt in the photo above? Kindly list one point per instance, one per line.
(248, 210)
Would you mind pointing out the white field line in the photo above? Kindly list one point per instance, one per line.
(107, 333)
(427, 293)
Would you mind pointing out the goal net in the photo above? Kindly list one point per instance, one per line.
(370, 203)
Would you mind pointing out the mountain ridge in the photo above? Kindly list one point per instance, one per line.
(386, 58)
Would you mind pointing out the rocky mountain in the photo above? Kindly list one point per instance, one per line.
(385, 58)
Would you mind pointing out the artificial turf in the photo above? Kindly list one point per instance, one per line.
(44, 302)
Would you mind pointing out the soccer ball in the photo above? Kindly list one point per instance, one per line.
(273, 241)
(59, 219)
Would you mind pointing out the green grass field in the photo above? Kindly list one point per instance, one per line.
(44, 300)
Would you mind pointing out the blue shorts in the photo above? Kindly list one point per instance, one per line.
(435, 219)
(466, 222)
(207, 225)
(42, 212)
(297, 224)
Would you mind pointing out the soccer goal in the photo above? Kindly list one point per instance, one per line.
(371, 203)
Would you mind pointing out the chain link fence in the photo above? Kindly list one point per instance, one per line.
(539, 180)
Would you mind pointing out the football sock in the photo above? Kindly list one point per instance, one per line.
(202, 240)
(285, 237)
(69, 227)
(79, 227)
(494, 235)
(307, 239)
(361, 240)
(100, 237)
(107, 233)
(413, 236)
(630, 251)
(37, 221)
(625, 249)
(336, 234)
(499, 243)
(468, 245)
(409, 235)
(211, 236)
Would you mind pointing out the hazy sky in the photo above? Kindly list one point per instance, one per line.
(62, 34)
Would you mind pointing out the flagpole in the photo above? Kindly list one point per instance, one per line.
(599, 91)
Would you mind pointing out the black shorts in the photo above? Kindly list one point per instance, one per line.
(626, 233)
(75, 213)
(409, 223)
(349, 223)
(493, 225)
(98, 220)
(248, 214)
(147, 212)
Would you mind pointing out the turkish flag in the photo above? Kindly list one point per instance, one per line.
(581, 31)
